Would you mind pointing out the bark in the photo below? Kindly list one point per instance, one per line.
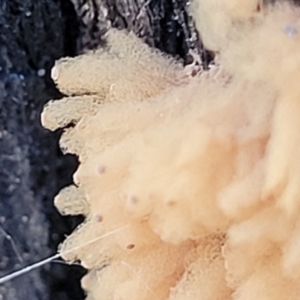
(30, 40)
(164, 24)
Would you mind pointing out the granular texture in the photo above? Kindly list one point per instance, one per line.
(189, 184)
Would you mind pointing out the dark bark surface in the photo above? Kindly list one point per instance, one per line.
(164, 24)
(31, 38)
(33, 34)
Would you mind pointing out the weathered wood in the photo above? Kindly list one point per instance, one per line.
(163, 24)
(31, 38)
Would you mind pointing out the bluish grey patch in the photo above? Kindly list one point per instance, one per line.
(290, 30)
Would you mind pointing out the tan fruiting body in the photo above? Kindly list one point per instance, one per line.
(190, 185)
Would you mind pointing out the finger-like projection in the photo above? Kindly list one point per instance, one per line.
(178, 178)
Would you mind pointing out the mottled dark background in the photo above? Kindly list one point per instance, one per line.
(33, 34)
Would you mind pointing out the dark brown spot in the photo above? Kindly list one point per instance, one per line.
(194, 73)
(130, 246)
(171, 202)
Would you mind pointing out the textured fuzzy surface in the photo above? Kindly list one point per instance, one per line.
(190, 185)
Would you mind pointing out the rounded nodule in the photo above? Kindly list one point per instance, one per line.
(54, 73)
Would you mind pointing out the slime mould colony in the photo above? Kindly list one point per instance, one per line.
(190, 185)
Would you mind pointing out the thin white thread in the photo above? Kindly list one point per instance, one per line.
(56, 256)
(62, 262)
(138, 275)
(28, 269)
(98, 238)
(12, 242)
